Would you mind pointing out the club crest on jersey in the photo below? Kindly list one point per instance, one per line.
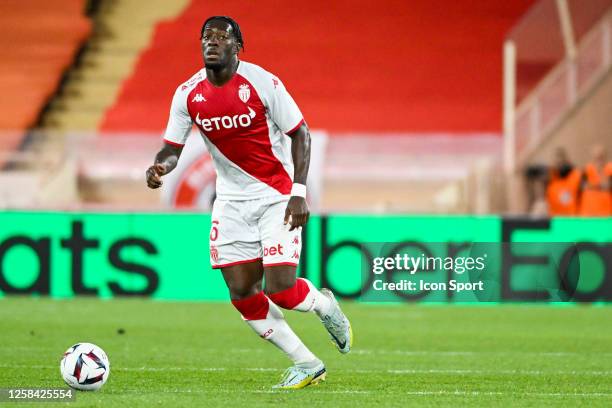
(244, 92)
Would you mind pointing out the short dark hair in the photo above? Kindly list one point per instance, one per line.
(235, 28)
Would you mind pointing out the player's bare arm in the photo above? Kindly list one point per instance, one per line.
(165, 161)
(297, 207)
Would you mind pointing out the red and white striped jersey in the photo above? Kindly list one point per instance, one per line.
(244, 124)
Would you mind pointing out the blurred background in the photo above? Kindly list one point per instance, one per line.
(463, 107)
(436, 124)
(432, 120)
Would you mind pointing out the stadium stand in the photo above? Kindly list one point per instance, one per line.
(570, 106)
(122, 29)
(425, 65)
(39, 41)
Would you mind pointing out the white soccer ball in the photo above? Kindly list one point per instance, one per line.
(85, 367)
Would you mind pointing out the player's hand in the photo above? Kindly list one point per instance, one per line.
(154, 174)
(297, 212)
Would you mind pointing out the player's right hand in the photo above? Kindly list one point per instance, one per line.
(154, 174)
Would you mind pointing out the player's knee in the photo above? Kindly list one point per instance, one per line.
(239, 290)
(279, 278)
(271, 289)
(279, 285)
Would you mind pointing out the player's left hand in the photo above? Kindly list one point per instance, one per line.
(297, 212)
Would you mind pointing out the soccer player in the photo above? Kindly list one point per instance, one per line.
(260, 146)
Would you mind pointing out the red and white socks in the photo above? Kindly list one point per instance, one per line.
(267, 320)
(303, 297)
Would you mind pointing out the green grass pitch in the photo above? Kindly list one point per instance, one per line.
(202, 354)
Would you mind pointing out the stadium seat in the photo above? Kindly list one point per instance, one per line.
(38, 42)
(123, 29)
(418, 66)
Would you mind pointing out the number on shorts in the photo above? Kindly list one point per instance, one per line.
(214, 232)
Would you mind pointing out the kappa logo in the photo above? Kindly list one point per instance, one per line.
(295, 255)
(296, 240)
(275, 82)
(226, 122)
(244, 92)
(198, 98)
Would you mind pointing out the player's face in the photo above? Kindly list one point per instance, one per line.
(218, 44)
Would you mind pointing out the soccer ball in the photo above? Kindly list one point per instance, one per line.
(85, 367)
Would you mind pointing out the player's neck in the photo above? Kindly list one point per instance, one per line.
(221, 76)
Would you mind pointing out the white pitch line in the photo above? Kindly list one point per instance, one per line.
(33, 366)
(355, 371)
(412, 353)
(153, 369)
(244, 391)
(320, 390)
(474, 353)
(531, 394)
(205, 369)
(493, 372)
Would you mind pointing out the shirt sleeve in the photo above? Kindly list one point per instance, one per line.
(179, 124)
(283, 109)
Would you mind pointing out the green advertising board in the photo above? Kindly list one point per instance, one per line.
(166, 256)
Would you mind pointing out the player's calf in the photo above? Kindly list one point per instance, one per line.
(266, 319)
(304, 297)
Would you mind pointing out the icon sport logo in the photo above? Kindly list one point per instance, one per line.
(226, 122)
(244, 92)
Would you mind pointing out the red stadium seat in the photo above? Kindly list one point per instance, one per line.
(389, 65)
(38, 42)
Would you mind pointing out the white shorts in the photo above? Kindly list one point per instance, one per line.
(253, 230)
